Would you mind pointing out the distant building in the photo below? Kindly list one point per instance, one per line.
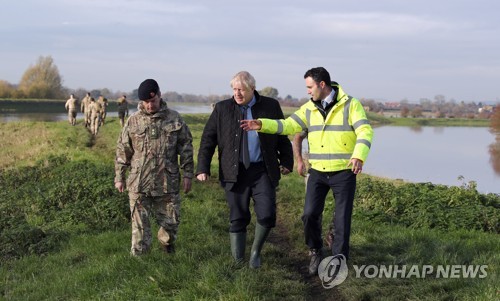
(486, 109)
(392, 105)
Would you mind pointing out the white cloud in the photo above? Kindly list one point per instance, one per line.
(366, 25)
(388, 52)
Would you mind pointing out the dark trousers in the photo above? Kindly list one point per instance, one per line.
(343, 185)
(251, 183)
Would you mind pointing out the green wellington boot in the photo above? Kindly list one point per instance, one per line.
(261, 234)
(238, 242)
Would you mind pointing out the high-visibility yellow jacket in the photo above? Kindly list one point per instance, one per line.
(344, 133)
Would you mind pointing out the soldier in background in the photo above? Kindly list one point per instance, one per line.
(122, 109)
(85, 109)
(95, 109)
(104, 104)
(70, 106)
(155, 144)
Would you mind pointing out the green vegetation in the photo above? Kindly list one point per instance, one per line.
(65, 232)
(426, 205)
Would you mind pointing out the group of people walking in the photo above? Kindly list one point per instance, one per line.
(94, 111)
(249, 132)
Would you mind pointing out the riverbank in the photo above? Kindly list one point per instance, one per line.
(419, 127)
(57, 106)
(61, 210)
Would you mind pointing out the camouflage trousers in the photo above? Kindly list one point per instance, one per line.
(86, 118)
(95, 122)
(72, 116)
(166, 210)
(103, 116)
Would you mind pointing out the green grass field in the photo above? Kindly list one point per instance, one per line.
(65, 233)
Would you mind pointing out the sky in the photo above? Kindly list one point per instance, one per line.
(383, 50)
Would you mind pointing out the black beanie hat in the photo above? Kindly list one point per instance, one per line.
(148, 89)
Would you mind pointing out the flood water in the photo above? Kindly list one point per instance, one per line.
(440, 155)
(57, 116)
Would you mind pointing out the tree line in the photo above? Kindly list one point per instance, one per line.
(437, 108)
(43, 81)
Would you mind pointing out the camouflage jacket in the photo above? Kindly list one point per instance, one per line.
(104, 103)
(85, 104)
(71, 104)
(152, 146)
(95, 108)
(122, 105)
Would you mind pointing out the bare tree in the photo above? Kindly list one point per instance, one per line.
(495, 120)
(416, 112)
(405, 111)
(438, 114)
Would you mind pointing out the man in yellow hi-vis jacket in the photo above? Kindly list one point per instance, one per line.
(339, 137)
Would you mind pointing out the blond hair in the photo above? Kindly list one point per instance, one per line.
(244, 78)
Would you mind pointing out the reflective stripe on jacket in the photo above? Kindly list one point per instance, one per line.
(344, 134)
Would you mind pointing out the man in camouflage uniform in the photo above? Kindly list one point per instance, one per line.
(85, 109)
(155, 143)
(104, 103)
(122, 109)
(70, 106)
(95, 109)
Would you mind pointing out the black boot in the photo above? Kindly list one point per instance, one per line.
(316, 257)
(238, 241)
(261, 234)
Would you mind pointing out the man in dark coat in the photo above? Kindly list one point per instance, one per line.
(249, 162)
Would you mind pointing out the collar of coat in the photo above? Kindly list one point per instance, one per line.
(340, 97)
(162, 110)
(255, 93)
